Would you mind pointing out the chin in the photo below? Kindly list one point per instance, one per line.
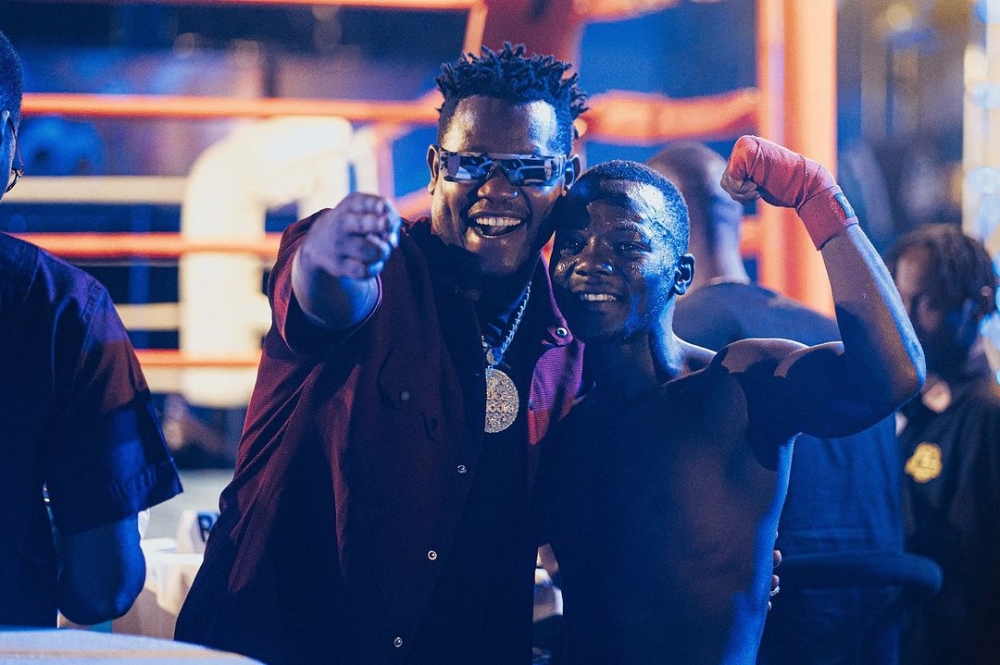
(592, 334)
(503, 266)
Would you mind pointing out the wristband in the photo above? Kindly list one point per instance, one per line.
(826, 214)
(787, 179)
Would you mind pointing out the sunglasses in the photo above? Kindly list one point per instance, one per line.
(520, 169)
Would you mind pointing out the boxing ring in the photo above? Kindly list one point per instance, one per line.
(313, 151)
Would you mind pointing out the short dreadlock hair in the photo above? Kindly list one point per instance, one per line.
(963, 264)
(510, 75)
(11, 79)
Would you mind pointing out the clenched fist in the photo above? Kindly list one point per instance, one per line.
(759, 168)
(353, 239)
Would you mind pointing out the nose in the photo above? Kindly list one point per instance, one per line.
(497, 185)
(592, 261)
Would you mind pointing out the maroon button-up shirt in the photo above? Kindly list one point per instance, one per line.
(356, 461)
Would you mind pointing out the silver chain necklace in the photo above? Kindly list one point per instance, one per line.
(502, 398)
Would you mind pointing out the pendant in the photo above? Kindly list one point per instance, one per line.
(501, 401)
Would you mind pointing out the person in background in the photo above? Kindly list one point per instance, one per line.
(76, 424)
(663, 490)
(844, 493)
(379, 511)
(950, 441)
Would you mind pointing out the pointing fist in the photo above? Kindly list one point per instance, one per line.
(355, 238)
(759, 168)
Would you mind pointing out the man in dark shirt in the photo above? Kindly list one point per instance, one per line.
(76, 422)
(950, 442)
(665, 487)
(379, 509)
(843, 494)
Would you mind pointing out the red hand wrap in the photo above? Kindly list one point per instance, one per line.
(787, 179)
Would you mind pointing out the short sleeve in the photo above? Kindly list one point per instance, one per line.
(106, 457)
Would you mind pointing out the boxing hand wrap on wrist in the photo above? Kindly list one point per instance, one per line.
(787, 179)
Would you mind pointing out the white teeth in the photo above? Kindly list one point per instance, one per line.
(597, 297)
(498, 221)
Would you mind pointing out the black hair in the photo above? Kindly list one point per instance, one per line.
(11, 79)
(598, 184)
(510, 75)
(963, 264)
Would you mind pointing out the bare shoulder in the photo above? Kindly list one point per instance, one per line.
(745, 354)
(694, 357)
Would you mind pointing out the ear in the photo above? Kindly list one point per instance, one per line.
(432, 164)
(683, 274)
(985, 303)
(6, 148)
(573, 170)
(5, 115)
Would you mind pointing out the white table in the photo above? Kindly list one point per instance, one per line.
(69, 646)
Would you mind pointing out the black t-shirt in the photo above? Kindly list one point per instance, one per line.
(482, 603)
(951, 462)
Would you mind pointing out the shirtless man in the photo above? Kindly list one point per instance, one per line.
(672, 471)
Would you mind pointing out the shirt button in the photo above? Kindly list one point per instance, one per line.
(561, 332)
(404, 396)
(432, 555)
(461, 468)
(398, 642)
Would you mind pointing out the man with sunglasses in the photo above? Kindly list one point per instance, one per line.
(379, 511)
(81, 446)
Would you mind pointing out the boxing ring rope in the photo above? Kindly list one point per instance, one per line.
(616, 117)
(82, 246)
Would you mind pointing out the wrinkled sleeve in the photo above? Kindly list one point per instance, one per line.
(106, 456)
(288, 321)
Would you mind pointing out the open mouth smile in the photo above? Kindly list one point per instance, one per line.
(493, 226)
(596, 297)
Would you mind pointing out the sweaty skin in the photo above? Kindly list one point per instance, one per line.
(670, 475)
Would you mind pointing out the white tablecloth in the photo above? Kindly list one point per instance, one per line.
(78, 647)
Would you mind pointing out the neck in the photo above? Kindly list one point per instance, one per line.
(501, 290)
(478, 287)
(632, 367)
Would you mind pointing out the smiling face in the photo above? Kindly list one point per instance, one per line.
(501, 227)
(614, 268)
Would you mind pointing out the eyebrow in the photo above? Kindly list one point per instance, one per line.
(635, 227)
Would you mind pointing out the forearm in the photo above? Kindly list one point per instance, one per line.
(102, 570)
(881, 351)
(881, 363)
(335, 303)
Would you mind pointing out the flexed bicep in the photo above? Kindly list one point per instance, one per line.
(880, 364)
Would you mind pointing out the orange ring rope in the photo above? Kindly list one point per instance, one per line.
(148, 245)
(422, 111)
(169, 358)
(372, 4)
